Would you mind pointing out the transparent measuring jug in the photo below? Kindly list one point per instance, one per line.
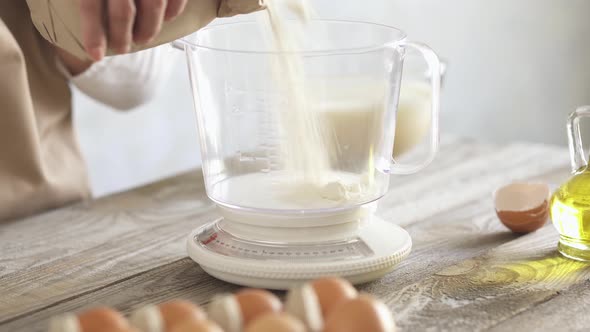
(355, 83)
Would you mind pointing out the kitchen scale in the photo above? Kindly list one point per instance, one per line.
(257, 242)
(360, 250)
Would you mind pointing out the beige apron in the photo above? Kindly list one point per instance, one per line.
(40, 163)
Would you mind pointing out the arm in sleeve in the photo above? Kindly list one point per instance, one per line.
(125, 81)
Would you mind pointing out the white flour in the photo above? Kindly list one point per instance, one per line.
(304, 144)
(308, 145)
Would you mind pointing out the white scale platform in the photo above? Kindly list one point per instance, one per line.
(239, 253)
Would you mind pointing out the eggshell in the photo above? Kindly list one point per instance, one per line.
(332, 291)
(523, 207)
(276, 322)
(192, 325)
(363, 313)
(303, 303)
(255, 302)
(163, 317)
(225, 310)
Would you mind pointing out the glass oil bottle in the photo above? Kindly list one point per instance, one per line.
(570, 204)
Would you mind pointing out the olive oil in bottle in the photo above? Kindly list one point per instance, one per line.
(570, 204)
(570, 212)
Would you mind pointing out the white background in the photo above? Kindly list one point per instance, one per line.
(516, 69)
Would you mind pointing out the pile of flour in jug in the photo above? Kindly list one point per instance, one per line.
(313, 132)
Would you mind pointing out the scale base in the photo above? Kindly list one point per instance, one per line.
(361, 252)
(285, 284)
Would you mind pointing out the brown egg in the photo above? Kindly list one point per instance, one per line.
(364, 313)
(332, 291)
(523, 207)
(234, 312)
(276, 322)
(313, 301)
(164, 316)
(255, 302)
(192, 325)
(100, 319)
(179, 310)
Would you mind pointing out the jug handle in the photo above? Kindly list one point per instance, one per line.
(434, 67)
(578, 158)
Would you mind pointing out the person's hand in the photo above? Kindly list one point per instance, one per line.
(118, 23)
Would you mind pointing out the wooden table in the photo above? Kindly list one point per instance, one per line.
(466, 271)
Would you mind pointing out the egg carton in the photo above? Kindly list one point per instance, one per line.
(322, 305)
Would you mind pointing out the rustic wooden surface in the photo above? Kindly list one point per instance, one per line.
(466, 271)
